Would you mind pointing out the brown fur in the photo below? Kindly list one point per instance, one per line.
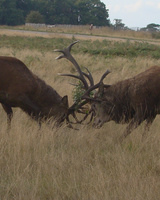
(19, 87)
(133, 100)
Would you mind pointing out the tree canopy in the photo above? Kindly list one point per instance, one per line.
(55, 11)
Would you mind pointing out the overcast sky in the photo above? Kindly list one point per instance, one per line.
(134, 13)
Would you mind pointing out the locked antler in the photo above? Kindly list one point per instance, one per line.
(77, 106)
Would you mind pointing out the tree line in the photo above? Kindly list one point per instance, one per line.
(77, 12)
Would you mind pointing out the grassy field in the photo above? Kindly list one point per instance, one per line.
(86, 164)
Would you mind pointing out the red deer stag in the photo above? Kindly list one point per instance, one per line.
(19, 87)
(130, 101)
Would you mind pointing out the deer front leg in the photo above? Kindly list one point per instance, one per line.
(147, 126)
(9, 112)
(135, 122)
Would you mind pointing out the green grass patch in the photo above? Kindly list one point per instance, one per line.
(105, 47)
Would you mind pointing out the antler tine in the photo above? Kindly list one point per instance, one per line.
(71, 111)
(86, 94)
(75, 85)
(85, 117)
(70, 46)
(67, 55)
(80, 121)
(73, 76)
(104, 75)
(79, 111)
(72, 108)
(65, 51)
(61, 56)
(89, 76)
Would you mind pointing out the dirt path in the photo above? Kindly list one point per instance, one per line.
(76, 36)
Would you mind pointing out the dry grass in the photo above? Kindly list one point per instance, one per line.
(80, 32)
(86, 164)
(101, 31)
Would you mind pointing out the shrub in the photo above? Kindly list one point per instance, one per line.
(34, 17)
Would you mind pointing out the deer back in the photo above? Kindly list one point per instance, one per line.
(19, 85)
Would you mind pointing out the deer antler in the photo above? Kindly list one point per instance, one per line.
(77, 106)
(66, 54)
(89, 76)
(93, 87)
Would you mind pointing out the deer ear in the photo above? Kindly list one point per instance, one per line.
(64, 101)
(101, 90)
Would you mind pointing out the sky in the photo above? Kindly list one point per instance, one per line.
(134, 13)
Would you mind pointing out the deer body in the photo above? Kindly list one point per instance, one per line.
(133, 100)
(129, 101)
(19, 87)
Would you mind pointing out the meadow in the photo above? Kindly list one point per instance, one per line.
(84, 164)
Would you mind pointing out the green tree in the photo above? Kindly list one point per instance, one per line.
(153, 27)
(9, 14)
(25, 5)
(119, 25)
(65, 12)
(73, 11)
(92, 12)
(34, 17)
(14, 12)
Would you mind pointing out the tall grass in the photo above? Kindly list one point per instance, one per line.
(84, 164)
